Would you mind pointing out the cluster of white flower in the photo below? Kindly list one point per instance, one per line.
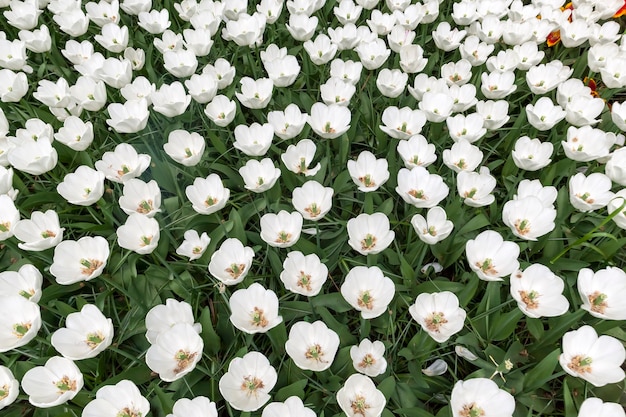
(512, 27)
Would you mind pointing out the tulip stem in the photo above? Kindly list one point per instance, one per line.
(589, 234)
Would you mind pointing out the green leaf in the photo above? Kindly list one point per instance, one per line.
(212, 341)
(295, 389)
(542, 372)
(505, 325)
(387, 386)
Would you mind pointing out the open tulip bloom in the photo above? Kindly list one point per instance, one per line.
(85, 335)
(312, 346)
(162, 317)
(439, 314)
(247, 383)
(119, 399)
(370, 233)
(602, 292)
(369, 358)
(303, 274)
(360, 397)
(491, 257)
(231, 262)
(281, 230)
(26, 282)
(480, 397)
(9, 387)
(254, 309)
(596, 359)
(538, 292)
(175, 352)
(368, 291)
(57, 382)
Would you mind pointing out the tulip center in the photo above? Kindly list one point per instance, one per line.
(283, 237)
(251, 384)
(435, 320)
(471, 193)
(196, 250)
(487, 267)
(89, 266)
(125, 170)
(368, 360)
(430, 231)
(367, 180)
(235, 270)
(369, 242)
(87, 192)
(359, 405)
(145, 206)
(183, 360)
(580, 364)
(403, 128)
(585, 198)
(94, 339)
(128, 412)
(258, 318)
(530, 299)
(522, 226)
(302, 166)
(461, 164)
(313, 210)
(365, 300)
(4, 227)
(304, 281)
(419, 194)
(315, 352)
(210, 201)
(415, 160)
(145, 241)
(20, 329)
(471, 410)
(328, 128)
(66, 384)
(188, 153)
(47, 233)
(598, 302)
(4, 392)
(27, 294)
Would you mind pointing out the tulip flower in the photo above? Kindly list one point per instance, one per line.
(439, 314)
(171, 100)
(163, 317)
(367, 290)
(589, 193)
(313, 201)
(434, 228)
(281, 230)
(85, 335)
(367, 172)
(596, 359)
(22, 321)
(247, 383)
(532, 154)
(254, 140)
(329, 122)
(9, 216)
(254, 309)
(593, 407)
(207, 195)
(184, 147)
(194, 245)
(297, 158)
(139, 233)
(196, 407)
(369, 233)
(292, 407)
(303, 274)
(538, 292)
(360, 397)
(259, 176)
(175, 352)
(119, 399)
(312, 346)
(42, 231)
(221, 110)
(420, 188)
(476, 188)
(9, 387)
(528, 218)
(602, 292)
(480, 397)
(416, 152)
(26, 282)
(231, 262)
(255, 94)
(81, 260)
(123, 163)
(289, 123)
(369, 358)
(491, 257)
(57, 382)
(402, 123)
